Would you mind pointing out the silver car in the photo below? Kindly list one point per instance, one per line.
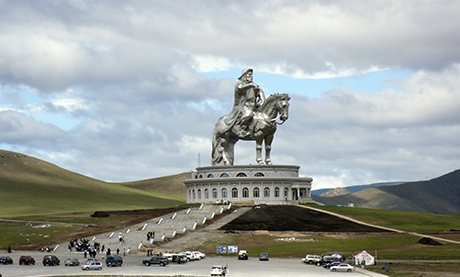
(92, 265)
(342, 267)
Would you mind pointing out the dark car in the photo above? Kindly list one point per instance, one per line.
(72, 262)
(26, 260)
(6, 260)
(326, 259)
(263, 256)
(243, 255)
(160, 260)
(179, 258)
(113, 261)
(50, 260)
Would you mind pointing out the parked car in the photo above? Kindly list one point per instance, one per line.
(263, 256)
(113, 261)
(342, 267)
(50, 260)
(71, 262)
(179, 258)
(329, 265)
(191, 256)
(26, 260)
(199, 254)
(219, 270)
(243, 255)
(311, 259)
(159, 260)
(326, 259)
(92, 265)
(6, 260)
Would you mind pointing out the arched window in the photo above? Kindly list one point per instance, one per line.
(259, 174)
(214, 193)
(255, 193)
(206, 193)
(199, 193)
(234, 193)
(241, 174)
(224, 175)
(193, 194)
(245, 193)
(277, 192)
(210, 176)
(286, 192)
(266, 192)
(223, 193)
(201, 176)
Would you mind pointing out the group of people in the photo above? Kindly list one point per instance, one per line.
(150, 235)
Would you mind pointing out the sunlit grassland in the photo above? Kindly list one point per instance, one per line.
(401, 220)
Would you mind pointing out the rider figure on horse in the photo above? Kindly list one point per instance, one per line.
(248, 97)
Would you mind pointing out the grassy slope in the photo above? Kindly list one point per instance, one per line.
(32, 186)
(170, 187)
(403, 220)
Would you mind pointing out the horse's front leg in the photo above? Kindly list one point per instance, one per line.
(268, 148)
(259, 150)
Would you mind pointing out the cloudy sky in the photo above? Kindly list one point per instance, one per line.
(130, 90)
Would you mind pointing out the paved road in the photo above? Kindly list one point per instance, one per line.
(133, 266)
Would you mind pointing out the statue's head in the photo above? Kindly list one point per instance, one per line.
(246, 74)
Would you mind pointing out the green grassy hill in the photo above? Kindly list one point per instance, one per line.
(439, 195)
(169, 187)
(30, 186)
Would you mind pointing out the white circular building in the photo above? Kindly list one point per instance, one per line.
(248, 184)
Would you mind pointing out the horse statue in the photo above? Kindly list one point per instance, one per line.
(261, 129)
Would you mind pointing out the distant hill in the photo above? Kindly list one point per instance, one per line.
(32, 186)
(170, 187)
(357, 188)
(439, 195)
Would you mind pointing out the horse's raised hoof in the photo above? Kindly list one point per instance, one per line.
(268, 162)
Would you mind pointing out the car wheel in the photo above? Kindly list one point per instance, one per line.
(348, 270)
(147, 264)
(334, 269)
(99, 268)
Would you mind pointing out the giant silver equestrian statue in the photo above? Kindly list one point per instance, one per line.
(253, 117)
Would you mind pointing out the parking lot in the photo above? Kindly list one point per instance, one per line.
(132, 265)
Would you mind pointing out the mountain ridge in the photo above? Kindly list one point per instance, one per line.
(439, 195)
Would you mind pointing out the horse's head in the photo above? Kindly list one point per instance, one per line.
(283, 106)
(276, 106)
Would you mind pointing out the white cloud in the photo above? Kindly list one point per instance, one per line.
(209, 63)
(130, 76)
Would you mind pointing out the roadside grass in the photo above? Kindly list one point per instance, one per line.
(386, 246)
(17, 233)
(402, 220)
(409, 269)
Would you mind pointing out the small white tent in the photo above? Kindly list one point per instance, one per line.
(365, 257)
